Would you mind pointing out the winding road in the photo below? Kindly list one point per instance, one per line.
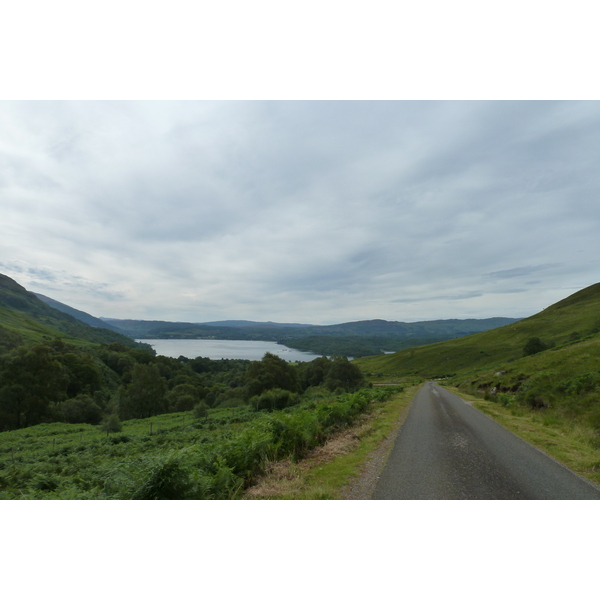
(448, 450)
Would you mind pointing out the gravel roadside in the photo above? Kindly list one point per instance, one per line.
(363, 486)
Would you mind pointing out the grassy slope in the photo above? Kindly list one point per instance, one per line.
(78, 314)
(24, 329)
(26, 319)
(578, 313)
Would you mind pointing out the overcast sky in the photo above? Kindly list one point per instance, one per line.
(316, 212)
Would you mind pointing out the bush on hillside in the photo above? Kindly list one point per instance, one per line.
(200, 410)
(533, 346)
(81, 409)
(276, 399)
(111, 424)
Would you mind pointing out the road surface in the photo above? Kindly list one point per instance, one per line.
(448, 450)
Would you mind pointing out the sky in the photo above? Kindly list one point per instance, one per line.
(301, 211)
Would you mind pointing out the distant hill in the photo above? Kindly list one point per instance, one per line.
(347, 339)
(24, 318)
(78, 314)
(243, 324)
(574, 318)
(176, 330)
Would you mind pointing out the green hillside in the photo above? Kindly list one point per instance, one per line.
(25, 319)
(574, 318)
(560, 382)
(78, 314)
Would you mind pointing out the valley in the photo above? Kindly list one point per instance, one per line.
(71, 388)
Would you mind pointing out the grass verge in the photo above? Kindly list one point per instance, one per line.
(328, 471)
(566, 441)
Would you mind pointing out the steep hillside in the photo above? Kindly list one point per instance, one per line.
(24, 318)
(574, 318)
(78, 314)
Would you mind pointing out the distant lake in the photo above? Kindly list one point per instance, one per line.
(216, 349)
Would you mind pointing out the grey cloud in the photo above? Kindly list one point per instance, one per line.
(521, 271)
(43, 274)
(463, 296)
(352, 208)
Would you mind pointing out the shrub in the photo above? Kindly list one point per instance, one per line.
(81, 410)
(269, 373)
(533, 346)
(276, 399)
(200, 411)
(294, 435)
(507, 400)
(111, 424)
(164, 479)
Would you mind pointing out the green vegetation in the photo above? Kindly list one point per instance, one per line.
(533, 346)
(87, 413)
(25, 319)
(62, 382)
(328, 471)
(113, 420)
(553, 326)
(564, 382)
(548, 363)
(172, 456)
(358, 345)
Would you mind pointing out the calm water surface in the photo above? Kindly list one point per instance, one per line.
(216, 349)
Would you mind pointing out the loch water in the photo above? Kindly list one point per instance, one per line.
(216, 349)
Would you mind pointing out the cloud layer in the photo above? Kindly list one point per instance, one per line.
(316, 212)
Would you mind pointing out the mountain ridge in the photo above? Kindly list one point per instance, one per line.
(25, 318)
(78, 314)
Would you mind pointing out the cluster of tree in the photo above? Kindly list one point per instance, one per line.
(60, 382)
(357, 346)
(533, 346)
(55, 381)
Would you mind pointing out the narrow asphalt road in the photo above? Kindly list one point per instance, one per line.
(448, 450)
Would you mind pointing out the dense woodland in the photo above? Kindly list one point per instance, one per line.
(56, 381)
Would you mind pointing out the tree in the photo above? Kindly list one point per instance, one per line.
(201, 411)
(84, 376)
(343, 374)
(111, 424)
(81, 409)
(533, 346)
(146, 395)
(183, 397)
(274, 399)
(269, 373)
(313, 373)
(30, 380)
